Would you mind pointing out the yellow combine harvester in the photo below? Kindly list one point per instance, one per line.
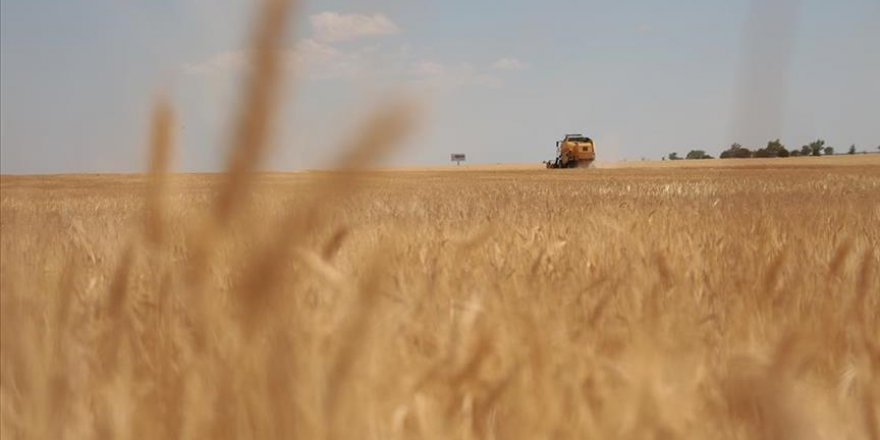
(573, 151)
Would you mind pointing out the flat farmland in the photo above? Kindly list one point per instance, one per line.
(733, 299)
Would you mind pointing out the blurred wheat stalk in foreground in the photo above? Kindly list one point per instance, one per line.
(350, 310)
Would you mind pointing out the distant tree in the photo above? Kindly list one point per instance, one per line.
(852, 149)
(736, 150)
(829, 151)
(774, 148)
(816, 147)
(763, 152)
(775, 145)
(806, 150)
(795, 153)
(727, 153)
(742, 153)
(674, 156)
(778, 148)
(697, 154)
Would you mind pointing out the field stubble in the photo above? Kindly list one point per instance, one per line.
(666, 303)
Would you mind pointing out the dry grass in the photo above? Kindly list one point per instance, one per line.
(733, 302)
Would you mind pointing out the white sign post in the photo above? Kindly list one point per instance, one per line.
(457, 158)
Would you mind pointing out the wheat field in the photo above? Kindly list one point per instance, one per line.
(693, 300)
(734, 302)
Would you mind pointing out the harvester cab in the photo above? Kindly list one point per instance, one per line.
(573, 151)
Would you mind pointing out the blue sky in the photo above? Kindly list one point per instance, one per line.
(499, 81)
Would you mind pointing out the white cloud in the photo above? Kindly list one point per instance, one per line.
(319, 57)
(316, 60)
(309, 58)
(509, 64)
(333, 27)
(224, 62)
(439, 76)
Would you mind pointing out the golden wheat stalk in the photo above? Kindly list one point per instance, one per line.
(161, 149)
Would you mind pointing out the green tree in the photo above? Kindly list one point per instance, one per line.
(735, 150)
(763, 152)
(829, 151)
(852, 149)
(816, 147)
(674, 156)
(697, 154)
(806, 150)
(776, 148)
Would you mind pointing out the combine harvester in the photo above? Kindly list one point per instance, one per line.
(573, 151)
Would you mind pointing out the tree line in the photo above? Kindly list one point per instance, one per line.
(774, 148)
